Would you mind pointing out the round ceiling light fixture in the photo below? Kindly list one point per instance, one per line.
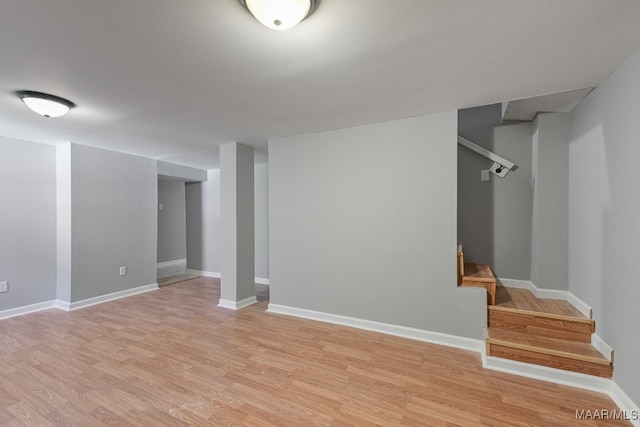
(280, 14)
(45, 104)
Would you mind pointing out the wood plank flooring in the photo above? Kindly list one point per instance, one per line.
(172, 358)
(523, 299)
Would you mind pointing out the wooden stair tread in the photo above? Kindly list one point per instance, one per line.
(478, 272)
(543, 332)
(476, 275)
(523, 300)
(545, 345)
(542, 314)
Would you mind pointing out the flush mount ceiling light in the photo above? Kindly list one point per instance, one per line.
(45, 104)
(280, 14)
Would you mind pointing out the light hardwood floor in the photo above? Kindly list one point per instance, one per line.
(172, 358)
(523, 299)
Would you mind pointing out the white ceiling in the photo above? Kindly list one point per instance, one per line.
(173, 79)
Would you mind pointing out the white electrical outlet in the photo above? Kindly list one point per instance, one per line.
(123, 271)
(4, 286)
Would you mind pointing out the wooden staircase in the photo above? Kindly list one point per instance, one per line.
(543, 332)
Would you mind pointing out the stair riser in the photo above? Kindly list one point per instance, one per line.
(519, 355)
(542, 326)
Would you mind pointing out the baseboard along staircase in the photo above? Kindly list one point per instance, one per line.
(544, 332)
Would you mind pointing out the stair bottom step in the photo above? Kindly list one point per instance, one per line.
(589, 368)
(542, 324)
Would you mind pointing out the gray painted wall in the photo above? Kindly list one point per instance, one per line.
(604, 208)
(550, 240)
(114, 221)
(203, 223)
(261, 187)
(475, 197)
(535, 141)
(494, 217)
(172, 234)
(237, 222)
(27, 222)
(513, 204)
(63, 221)
(363, 224)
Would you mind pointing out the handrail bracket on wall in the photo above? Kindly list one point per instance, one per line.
(500, 167)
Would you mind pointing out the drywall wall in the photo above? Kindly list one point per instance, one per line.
(261, 203)
(114, 222)
(550, 220)
(27, 222)
(512, 204)
(203, 223)
(535, 142)
(172, 234)
(363, 224)
(494, 217)
(475, 197)
(175, 172)
(63, 221)
(237, 269)
(604, 208)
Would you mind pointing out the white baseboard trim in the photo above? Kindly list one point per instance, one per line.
(64, 305)
(237, 305)
(602, 346)
(550, 293)
(624, 402)
(567, 378)
(171, 268)
(580, 305)
(204, 273)
(385, 328)
(518, 284)
(558, 376)
(543, 373)
(556, 294)
(263, 281)
(31, 308)
(538, 292)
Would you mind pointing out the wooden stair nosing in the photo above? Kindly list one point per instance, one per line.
(548, 351)
(543, 314)
(552, 361)
(527, 319)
